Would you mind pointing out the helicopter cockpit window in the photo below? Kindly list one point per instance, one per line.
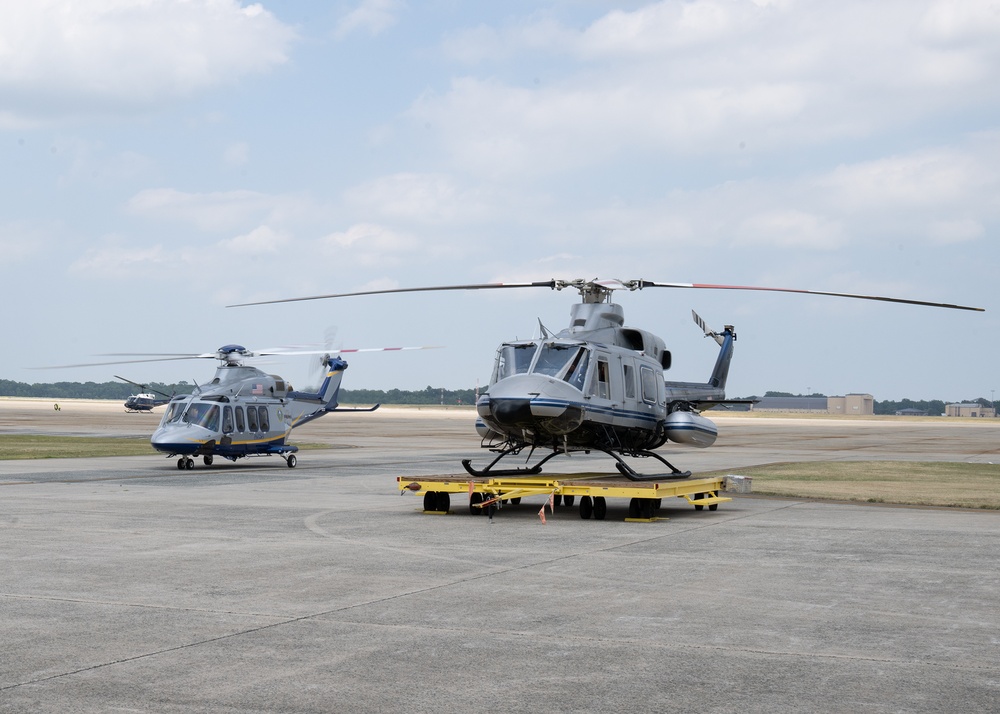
(513, 359)
(553, 358)
(200, 414)
(173, 413)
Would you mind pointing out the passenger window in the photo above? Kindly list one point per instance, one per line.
(240, 424)
(629, 374)
(648, 385)
(262, 417)
(603, 388)
(227, 420)
(252, 418)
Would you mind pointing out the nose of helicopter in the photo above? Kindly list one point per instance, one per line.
(170, 440)
(532, 403)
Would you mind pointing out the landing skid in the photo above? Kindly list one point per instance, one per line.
(633, 475)
(623, 468)
(519, 471)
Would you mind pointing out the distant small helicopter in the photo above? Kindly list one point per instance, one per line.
(598, 385)
(145, 401)
(243, 411)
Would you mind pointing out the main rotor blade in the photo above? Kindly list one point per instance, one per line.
(705, 286)
(480, 286)
(609, 285)
(125, 361)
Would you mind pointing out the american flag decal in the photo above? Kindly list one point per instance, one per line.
(258, 389)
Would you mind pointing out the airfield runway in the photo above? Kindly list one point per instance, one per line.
(127, 585)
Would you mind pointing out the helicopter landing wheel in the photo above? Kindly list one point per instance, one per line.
(208, 459)
(180, 464)
(291, 461)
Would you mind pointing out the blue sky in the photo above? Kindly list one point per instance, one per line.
(164, 159)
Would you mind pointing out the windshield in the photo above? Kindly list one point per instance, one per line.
(553, 358)
(202, 414)
(173, 413)
(568, 362)
(513, 359)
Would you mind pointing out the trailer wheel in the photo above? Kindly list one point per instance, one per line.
(475, 498)
(600, 508)
(633, 508)
(430, 499)
(568, 500)
(443, 501)
(698, 496)
(586, 508)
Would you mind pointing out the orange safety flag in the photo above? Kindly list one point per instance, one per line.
(472, 487)
(541, 514)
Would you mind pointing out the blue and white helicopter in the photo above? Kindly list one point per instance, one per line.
(243, 411)
(144, 401)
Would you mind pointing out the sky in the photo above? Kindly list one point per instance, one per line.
(166, 158)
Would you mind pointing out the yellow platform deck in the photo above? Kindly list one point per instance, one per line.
(486, 494)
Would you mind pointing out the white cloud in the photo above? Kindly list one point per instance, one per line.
(209, 211)
(373, 16)
(951, 232)
(424, 198)
(21, 240)
(261, 240)
(137, 265)
(59, 57)
(790, 228)
(935, 177)
(370, 245)
(697, 78)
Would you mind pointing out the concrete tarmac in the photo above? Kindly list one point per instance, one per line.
(127, 585)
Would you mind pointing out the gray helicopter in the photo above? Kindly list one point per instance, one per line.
(598, 385)
(243, 411)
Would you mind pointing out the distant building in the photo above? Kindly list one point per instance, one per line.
(791, 404)
(969, 410)
(852, 404)
(911, 412)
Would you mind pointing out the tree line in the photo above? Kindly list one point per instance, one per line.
(426, 396)
(121, 390)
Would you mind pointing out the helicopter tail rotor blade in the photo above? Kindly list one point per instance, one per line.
(704, 328)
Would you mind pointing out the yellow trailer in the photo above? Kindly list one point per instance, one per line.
(487, 494)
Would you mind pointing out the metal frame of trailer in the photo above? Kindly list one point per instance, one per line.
(488, 494)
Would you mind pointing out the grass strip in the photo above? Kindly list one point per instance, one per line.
(917, 483)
